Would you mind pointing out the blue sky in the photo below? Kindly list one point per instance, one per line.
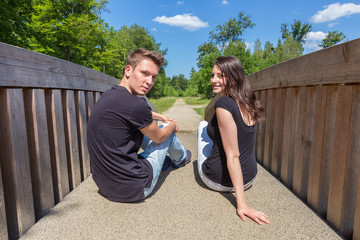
(182, 26)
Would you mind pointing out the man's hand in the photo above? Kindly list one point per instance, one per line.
(160, 117)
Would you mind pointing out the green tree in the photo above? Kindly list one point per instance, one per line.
(331, 39)
(288, 49)
(298, 32)
(15, 16)
(269, 57)
(205, 49)
(70, 29)
(232, 30)
(239, 50)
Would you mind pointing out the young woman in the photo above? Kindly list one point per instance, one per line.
(226, 159)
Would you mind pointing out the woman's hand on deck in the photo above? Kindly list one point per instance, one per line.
(253, 214)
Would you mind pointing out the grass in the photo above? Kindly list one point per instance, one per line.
(163, 104)
(198, 101)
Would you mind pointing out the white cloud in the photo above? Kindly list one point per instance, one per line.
(313, 39)
(335, 11)
(315, 36)
(154, 29)
(330, 25)
(180, 2)
(225, 2)
(186, 21)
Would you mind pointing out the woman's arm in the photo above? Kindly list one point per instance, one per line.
(228, 132)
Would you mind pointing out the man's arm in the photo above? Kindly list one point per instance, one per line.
(160, 117)
(159, 135)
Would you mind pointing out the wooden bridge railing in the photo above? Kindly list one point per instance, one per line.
(310, 139)
(44, 106)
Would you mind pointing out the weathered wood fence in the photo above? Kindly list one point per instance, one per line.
(310, 139)
(44, 106)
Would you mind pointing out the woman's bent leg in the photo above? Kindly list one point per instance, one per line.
(156, 153)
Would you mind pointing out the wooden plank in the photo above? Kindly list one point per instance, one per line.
(71, 138)
(39, 152)
(300, 141)
(261, 130)
(333, 65)
(96, 96)
(329, 135)
(352, 166)
(308, 140)
(25, 68)
(278, 132)
(81, 119)
(57, 144)
(316, 155)
(3, 225)
(209, 110)
(15, 164)
(340, 156)
(356, 226)
(257, 95)
(89, 103)
(269, 131)
(288, 134)
(290, 125)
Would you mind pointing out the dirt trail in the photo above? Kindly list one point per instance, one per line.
(185, 115)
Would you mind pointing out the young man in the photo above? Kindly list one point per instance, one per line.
(121, 123)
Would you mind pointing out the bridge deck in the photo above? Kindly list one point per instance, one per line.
(182, 208)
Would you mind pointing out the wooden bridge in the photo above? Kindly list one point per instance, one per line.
(309, 141)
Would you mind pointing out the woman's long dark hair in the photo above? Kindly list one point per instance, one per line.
(237, 86)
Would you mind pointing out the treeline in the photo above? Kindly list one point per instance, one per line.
(226, 39)
(74, 30)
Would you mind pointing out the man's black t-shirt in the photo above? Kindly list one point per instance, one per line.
(114, 140)
(215, 166)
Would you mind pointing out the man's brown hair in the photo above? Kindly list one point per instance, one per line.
(142, 53)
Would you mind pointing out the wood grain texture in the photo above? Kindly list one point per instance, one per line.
(352, 166)
(3, 225)
(39, 151)
(261, 130)
(15, 164)
(287, 162)
(269, 130)
(58, 155)
(71, 138)
(356, 226)
(89, 104)
(25, 68)
(339, 158)
(280, 95)
(81, 120)
(317, 149)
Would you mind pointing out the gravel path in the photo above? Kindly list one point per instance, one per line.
(185, 115)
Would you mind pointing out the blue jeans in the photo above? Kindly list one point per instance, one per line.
(156, 153)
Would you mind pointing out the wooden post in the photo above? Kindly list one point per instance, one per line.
(3, 225)
(81, 119)
(71, 138)
(57, 144)
(15, 164)
(39, 151)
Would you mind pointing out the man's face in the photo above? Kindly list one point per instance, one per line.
(141, 78)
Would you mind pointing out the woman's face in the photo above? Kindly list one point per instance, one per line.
(218, 81)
